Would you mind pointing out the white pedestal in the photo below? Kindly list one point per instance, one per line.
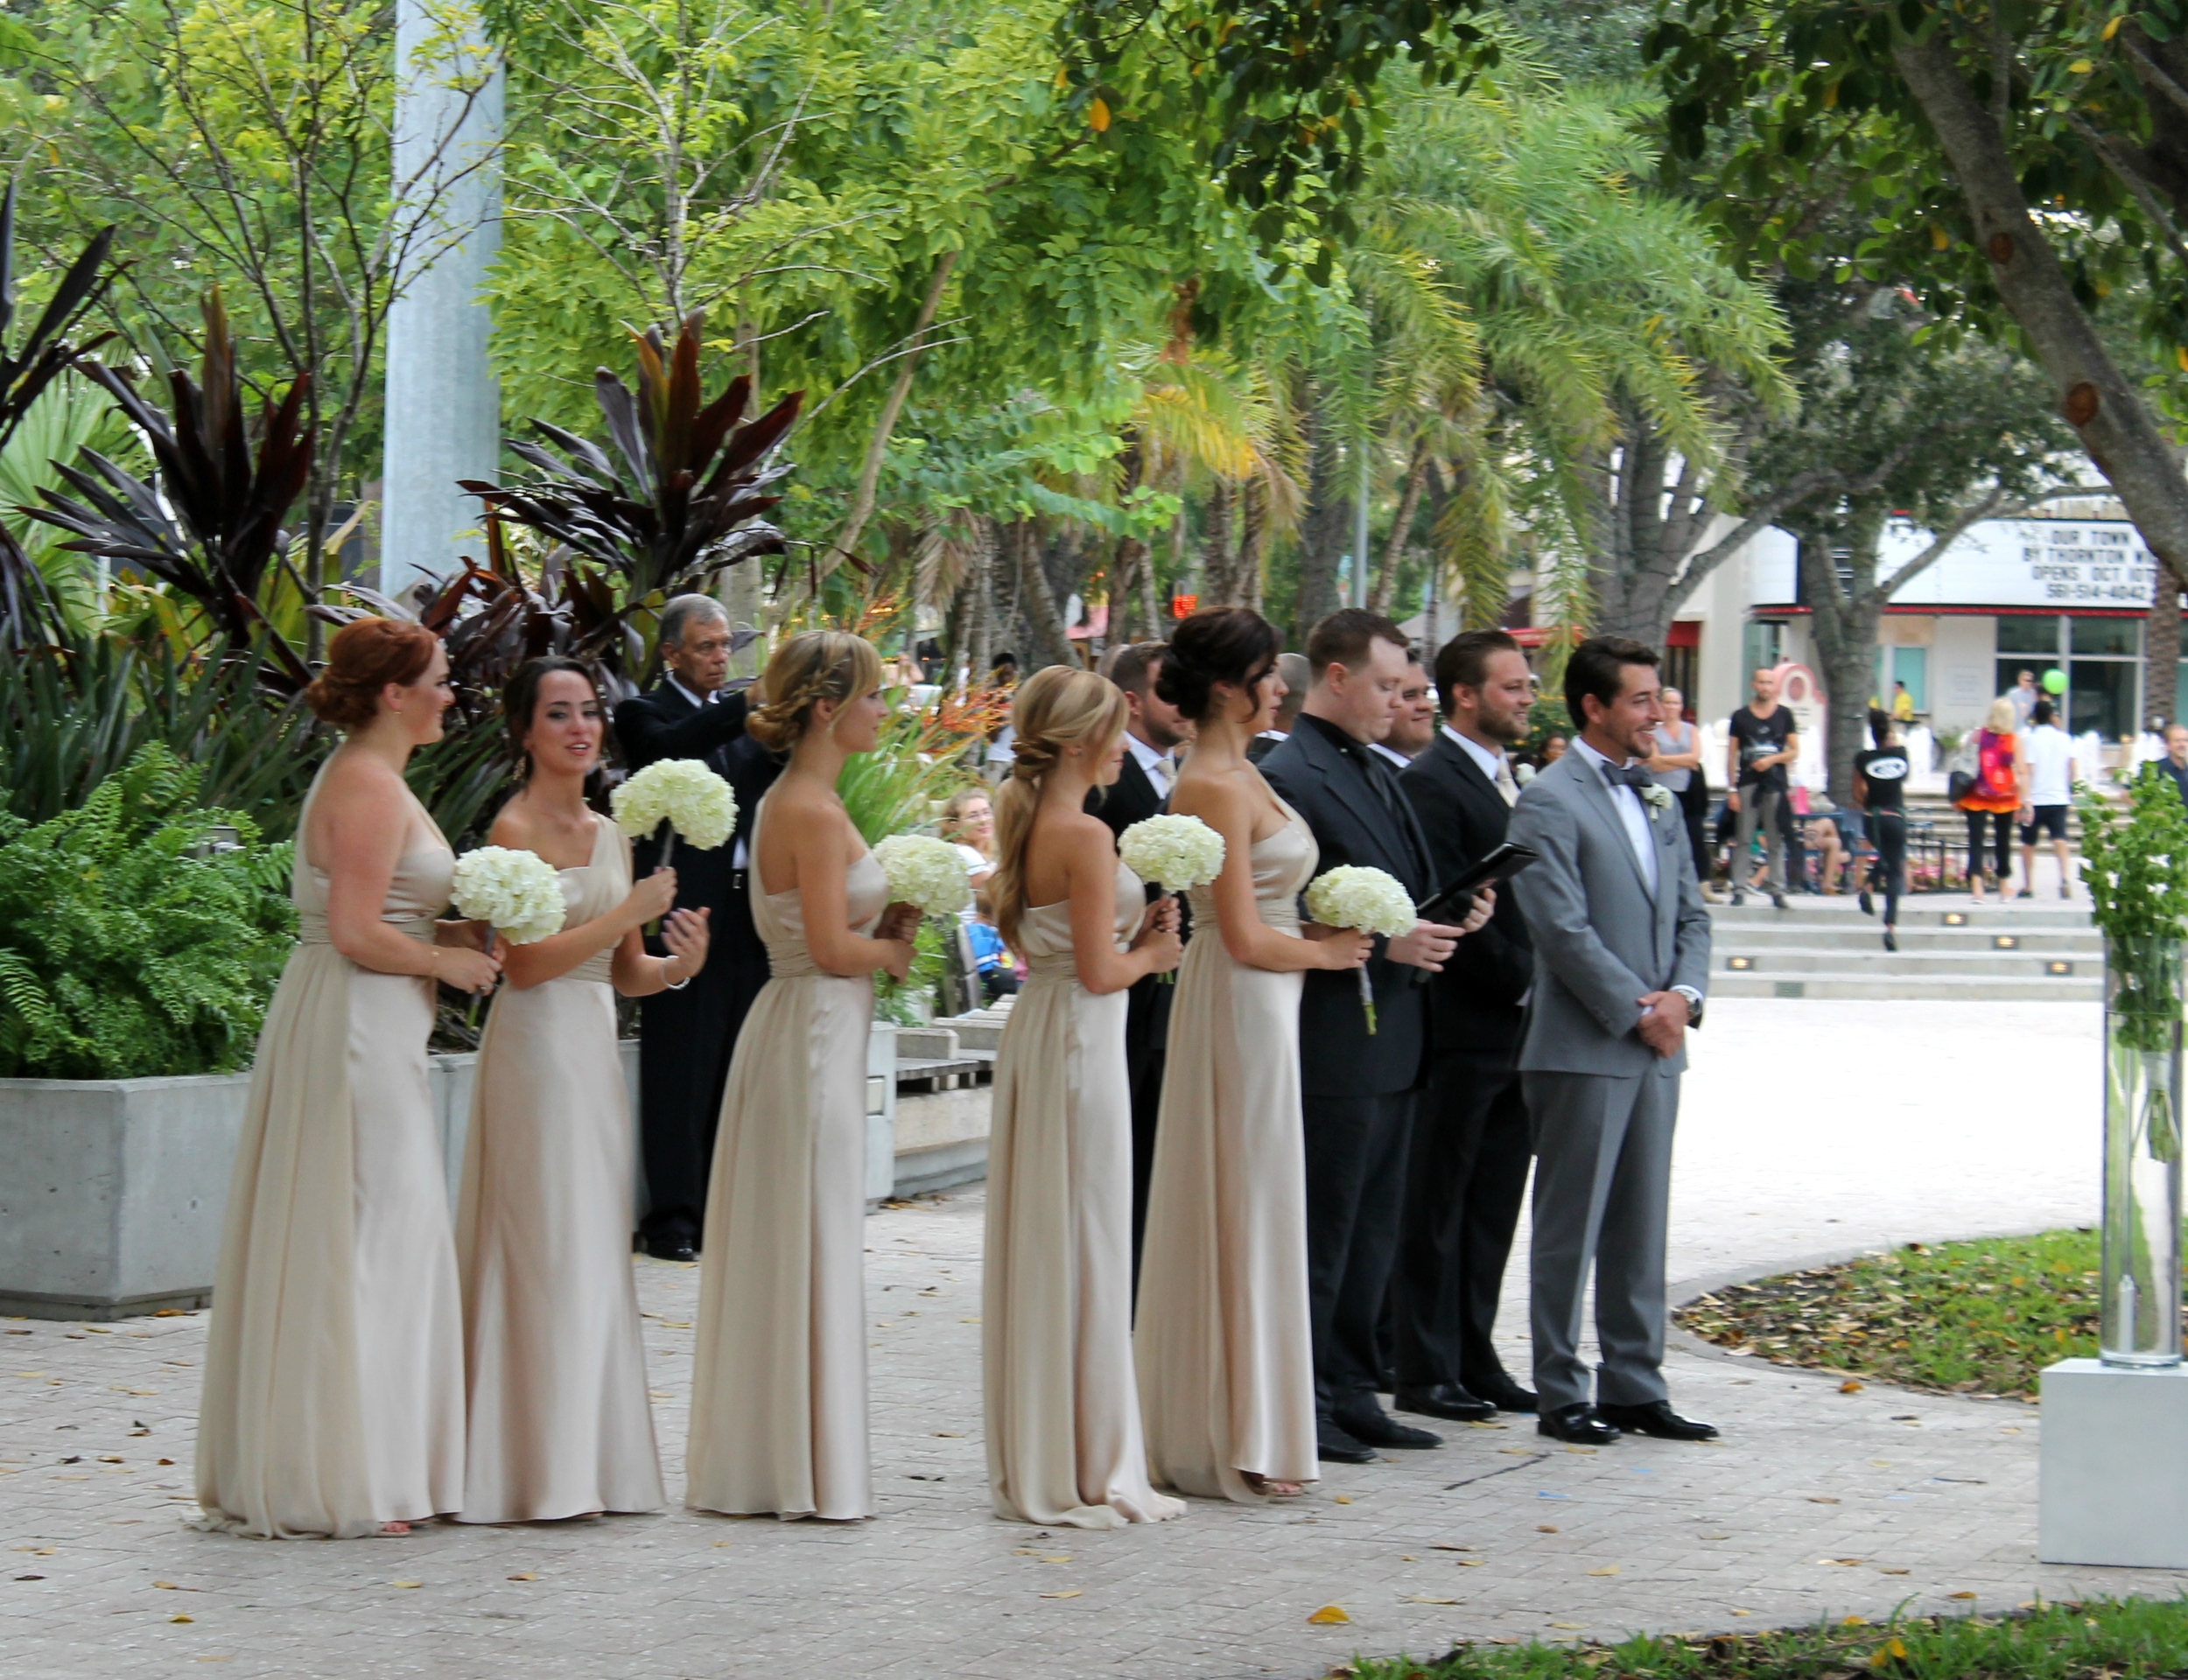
(2115, 1482)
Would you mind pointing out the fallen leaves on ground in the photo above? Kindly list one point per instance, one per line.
(1968, 1318)
(1068, 1593)
(1330, 1615)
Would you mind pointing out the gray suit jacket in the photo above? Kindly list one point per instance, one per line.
(1600, 940)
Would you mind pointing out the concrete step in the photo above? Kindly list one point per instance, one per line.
(1916, 910)
(1864, 936)
(1909, 960)
(1895, 988)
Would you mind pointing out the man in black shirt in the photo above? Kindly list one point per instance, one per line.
(1880, 789)
(1763, 742)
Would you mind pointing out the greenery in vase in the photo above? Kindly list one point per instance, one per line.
(129, 946)
(2135, 864)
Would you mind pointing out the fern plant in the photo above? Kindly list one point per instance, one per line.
(130, 945)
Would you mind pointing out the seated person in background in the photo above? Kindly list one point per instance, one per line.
(1825, 834)
(991, 957)
(968, 822)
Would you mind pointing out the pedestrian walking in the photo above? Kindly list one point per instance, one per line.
(1762, 741)
(2047, 788)
(1880, 793)
(1991, 796)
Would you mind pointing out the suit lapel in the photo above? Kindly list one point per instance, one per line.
(1324, 759)
(1606, 810)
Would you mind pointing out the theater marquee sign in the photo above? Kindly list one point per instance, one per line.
(2041, 562)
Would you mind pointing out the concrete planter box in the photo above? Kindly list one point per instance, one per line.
(112, 1200)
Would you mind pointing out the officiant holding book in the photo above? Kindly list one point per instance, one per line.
(687, 1035)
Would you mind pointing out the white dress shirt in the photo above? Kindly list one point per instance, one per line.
(1488, 758)
(1631, 812)
(1391, 756)
(1161, 769)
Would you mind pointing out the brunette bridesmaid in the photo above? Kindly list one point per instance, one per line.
(333, 1399)
(1063, 1439)
(779, 1382)
(1225, 1354)
(560, 1422)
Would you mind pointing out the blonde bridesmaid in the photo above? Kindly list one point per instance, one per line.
(1063, 1439)
(779, 1381)
(333, 1399)
(560, 1422)
(1225, 1354)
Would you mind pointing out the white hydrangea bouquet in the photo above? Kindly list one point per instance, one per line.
(516, 893)
(1365, 900)
(927, 873)
(696, 803)
(1174, 851)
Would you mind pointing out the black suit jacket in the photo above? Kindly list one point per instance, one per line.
(1360, 816)
(1130, 799)
(1474, 1002)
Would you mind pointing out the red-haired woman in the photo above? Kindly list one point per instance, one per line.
(333, 1400)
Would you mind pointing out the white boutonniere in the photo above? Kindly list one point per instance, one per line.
(1523, 773)
(1658, 796)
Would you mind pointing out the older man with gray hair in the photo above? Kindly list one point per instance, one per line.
(686, 1035)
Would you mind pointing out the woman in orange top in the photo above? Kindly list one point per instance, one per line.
(1995, 795)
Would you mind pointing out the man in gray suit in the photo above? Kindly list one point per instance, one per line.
(1622, 950)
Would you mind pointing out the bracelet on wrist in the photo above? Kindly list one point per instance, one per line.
(667, 985)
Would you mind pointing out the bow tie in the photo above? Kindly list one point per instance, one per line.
(1632, 775)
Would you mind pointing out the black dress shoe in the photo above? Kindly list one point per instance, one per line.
(1575, 1424)
(1333, 1445)
(1659, 1419)
(1376, 1428)
(1506, 1394)
(671, 1245)
(1445, 1400)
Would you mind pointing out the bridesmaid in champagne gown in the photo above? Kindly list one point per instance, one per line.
(332, 1403)
(1064, 1445)
(1225, 1352)
(560, 1422)
(779, 1376)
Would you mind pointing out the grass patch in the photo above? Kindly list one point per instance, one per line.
(2115, 1639)
(1961, 1318)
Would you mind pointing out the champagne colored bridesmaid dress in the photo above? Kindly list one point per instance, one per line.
(333, 1397)
(1063, 1439)
(779, 1376)
(560, 1422)
(1223, 1343)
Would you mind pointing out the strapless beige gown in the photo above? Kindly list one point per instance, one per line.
(1063, 1439)
(779, 1376)
(334, 1371)
(1225, 1348)
(560, 1423)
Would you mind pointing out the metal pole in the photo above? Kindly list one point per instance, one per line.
(443, 417)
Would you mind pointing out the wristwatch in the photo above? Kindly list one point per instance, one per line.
(1694, 1004)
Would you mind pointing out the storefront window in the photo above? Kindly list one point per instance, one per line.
(2107, 636)
(2102, 694)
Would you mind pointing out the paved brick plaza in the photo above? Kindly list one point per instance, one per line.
(1810, 1128)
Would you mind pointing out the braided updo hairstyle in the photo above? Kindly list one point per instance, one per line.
(1220, 644)
(811, 667)
(365, 656)
(1057, 706)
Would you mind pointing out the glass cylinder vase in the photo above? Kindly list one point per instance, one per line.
(2141, 1276)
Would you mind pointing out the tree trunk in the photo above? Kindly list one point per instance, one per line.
(1401, 529)
(1326, 531)
(2161, 650)
(854, 525)
(1844, 624)
(2116, 429)
(1219, 580)
(1020, 545)
(1253, 521)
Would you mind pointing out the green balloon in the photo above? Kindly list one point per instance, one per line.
(2055, 681)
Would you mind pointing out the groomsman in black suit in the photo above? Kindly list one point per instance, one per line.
(1142, 789)
(687, 1035)
(1359, 1088)
(1468, 1171)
